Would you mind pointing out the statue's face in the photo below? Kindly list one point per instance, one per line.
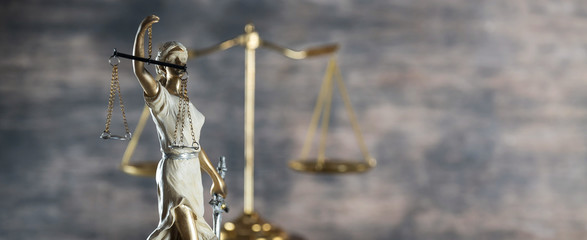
(178, 57)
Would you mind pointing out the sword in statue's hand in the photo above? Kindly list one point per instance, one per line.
(217, 201)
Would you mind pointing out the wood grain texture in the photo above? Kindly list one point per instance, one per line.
(475, 111)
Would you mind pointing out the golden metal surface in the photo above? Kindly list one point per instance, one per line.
(146, 80)
(194, 53)
(329, 166)
(323, 104)
(186, 222)
(218, 184)
(143, 169)
(251, 44)
(310, 52)
(250, 39)
(252, 227)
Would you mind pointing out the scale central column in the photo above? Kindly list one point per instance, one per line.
(250, 225)
(251, 44)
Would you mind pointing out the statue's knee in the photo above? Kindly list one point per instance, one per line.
(186, 222)
(183, 208)
(184, 211)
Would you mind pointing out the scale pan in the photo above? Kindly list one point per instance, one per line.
(329, 166)
(144, 169)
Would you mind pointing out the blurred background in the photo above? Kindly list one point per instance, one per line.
(475, 111)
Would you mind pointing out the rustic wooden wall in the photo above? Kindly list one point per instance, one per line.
(474, 109)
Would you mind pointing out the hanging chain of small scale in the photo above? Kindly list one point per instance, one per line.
(323, 105)
(115, 88)
(182, 113)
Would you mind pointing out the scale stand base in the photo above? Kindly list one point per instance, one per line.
(253, 227)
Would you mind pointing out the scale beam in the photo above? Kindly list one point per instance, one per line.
(147, 60)
(303, 54)
(243, 40)
(194, 53)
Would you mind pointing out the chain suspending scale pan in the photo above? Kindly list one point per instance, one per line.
(114, 89)
(321, 164)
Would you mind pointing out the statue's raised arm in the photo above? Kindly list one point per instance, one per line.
(148, 83)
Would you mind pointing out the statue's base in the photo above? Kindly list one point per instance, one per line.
(253, 227)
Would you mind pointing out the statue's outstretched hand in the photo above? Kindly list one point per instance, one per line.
(219, 189)
(149, 20)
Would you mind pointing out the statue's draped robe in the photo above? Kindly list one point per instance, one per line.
(179, 180)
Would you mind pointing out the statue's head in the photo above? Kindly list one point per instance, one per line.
(171, 52)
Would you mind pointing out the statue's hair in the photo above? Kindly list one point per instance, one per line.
(168, 52)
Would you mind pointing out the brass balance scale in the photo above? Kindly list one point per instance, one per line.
(250, 225)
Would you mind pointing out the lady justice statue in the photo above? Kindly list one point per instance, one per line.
(179, 180)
